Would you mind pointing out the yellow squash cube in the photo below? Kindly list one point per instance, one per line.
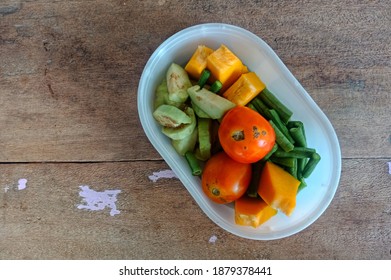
(250, 211)
(244, 89)
(197, 62)
(224, 66)
(278, 188)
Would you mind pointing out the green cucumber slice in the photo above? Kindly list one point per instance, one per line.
(177, 83)
(200, 113)
(161, 96)
(211, 103)
(187, 144)
(204, 138)
(184, 130)
(170, 116)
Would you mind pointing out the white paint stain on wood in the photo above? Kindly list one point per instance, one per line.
(97, 201)
(22, 184)
(213, 239)
(389, 167)
(168, 173)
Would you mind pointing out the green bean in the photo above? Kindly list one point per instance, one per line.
(291, 124)
(281, 140)
(269, 154)
(296, 129)
(252, 107)
(302, 185)
(273, 102)
(311, 164)
(277, 120)
(205, 74)
(297, 152)
(261, 108)
(301, 162)
(216, 86)
(193, 164)
(287, 162)
(293, 169)
(299, 136)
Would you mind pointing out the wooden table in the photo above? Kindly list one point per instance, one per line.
(69, 73)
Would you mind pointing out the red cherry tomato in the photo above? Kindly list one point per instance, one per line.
(224, 179)
(245, 135)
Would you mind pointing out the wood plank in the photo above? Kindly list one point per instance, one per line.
(70, 70)
(160, 220)
(66, 96)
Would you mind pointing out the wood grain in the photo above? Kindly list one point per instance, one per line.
(69, 73)
(160, 220)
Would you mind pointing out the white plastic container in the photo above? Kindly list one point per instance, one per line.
(260, 58)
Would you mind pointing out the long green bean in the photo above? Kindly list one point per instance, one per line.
(273, 102)
(194, 165)
(311, 164)
(281, 140)
(277, 120)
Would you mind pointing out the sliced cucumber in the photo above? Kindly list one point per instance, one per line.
(170, 116)
(162, 96)
(184, 130)
(211, 103)
(186, 144)
(177, 83)
(200, 113)
(204, 138)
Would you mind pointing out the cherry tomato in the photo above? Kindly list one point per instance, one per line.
(224, 179)
(245, 135)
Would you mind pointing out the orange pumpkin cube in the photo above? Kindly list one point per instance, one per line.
(278, 188)
(244, 89)
(224, 66)
(197, 62)
(250, 211)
